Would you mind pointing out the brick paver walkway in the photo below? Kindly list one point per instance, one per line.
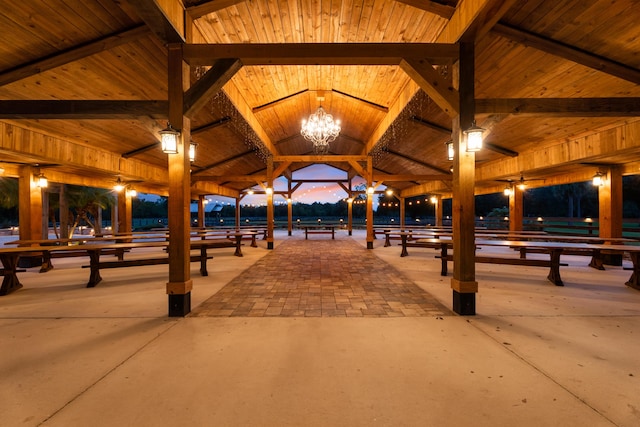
(321, 278)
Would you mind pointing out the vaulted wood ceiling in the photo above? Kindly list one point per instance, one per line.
(557, 86)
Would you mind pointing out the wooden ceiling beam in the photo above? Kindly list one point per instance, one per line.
(468, 20)
(320, 158)
(206, 7)
(257, 54)
(409, 177)
(48, 109)
(230, 178)
(561, 107)
(209, 84)
(570, 53)
(420, 162)
(441, 10)
(222, 162)
(166, 19)
(433, 84)
(75, 53)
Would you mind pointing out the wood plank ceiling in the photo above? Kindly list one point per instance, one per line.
(557, 85)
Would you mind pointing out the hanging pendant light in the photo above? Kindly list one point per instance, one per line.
(320, 129)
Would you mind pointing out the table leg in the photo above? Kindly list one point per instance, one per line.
(443, 259)
(46, 262)
(94, 266)
(596, 260)
(10, 280)
(387, 238)
(253, 241)
(554, 272)
(404, 245)
(306, 234)
(634, 280)
(238, 245)
(333, 231)
(203, 261)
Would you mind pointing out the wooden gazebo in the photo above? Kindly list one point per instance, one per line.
(85, 88)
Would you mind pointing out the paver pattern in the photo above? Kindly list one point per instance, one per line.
(321, 278)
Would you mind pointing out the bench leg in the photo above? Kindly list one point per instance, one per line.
(333, 234)
(554, 272)
(94, 266)
(634, 280)
(253, 241)
(10, 280)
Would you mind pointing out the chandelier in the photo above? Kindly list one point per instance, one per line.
(320, 129)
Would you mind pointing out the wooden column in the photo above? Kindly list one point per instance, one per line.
(350, 212)
(289, 214)
(125, 220)
(270, 216)
(403, 213)
(30, 205)
(180, 284)
(202, 211)
(610, 210)
(370, 197)
(238, 216)
(438, 211)
(64, 212)
(464, 283)
(516, 209)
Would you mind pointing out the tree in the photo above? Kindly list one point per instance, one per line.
(85, 204)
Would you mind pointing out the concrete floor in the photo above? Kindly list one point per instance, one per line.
(535, 355)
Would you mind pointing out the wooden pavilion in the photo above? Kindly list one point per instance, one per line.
(85, 88)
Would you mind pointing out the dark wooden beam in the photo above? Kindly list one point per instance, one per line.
(140, 150)
(277, 101)
(364, 101)
(419, 162)
(568, 52)
(431, 125)
(211, 125)
(47, 109)
(561, 107)
(206, 7)
(209, 84)
(222, 162)
(319, 53)
(441, 10)
(73, 54)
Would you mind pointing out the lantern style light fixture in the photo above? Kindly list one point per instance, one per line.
(508, 190)
(320, 129)
(119, 186)
(598, 179)
(192, 151)
(450, 151)
(269, 191)
(42, 181)
(132, 192)
(169, 139)
(370, 190)
(474, 137)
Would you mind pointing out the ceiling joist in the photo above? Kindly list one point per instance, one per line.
(47, 109)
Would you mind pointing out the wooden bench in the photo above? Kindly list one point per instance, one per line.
(554, 249)
(319, 229)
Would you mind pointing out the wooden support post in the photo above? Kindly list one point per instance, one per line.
(64, 211)
(438, 211)
(403, 213)
(29, 205)
(289, 213)
(238, 216)
(270, 216)
(180, 283)
(202, 211)
(370, 196)
(464, 283)
(516, 209)
(350, 213)
(610, 210)
(125, 220)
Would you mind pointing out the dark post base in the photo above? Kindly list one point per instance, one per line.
(464, 304)
(350, 233)
(269, 245)
(179, 305)
(369, 245)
